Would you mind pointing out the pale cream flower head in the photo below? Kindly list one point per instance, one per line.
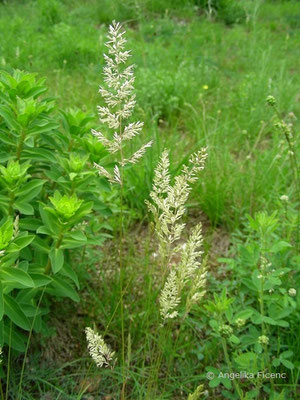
(98, 349)
(292, 292)
(284, 198)
(120, 102)
(168, 207)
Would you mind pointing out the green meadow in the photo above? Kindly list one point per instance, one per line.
(219, 74)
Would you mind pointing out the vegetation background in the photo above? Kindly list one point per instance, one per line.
(203, 72)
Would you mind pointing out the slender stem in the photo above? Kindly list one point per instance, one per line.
(162, 333)
(157, 349)
(82, 389)
(58, 243)
(228, 362)
(121, 280)
(48, 267)
(294, 165)
(20, 145)
(1, 390)
(70, 145)
(121, 293)
(264, 329)
(11, 202)
(28, 342)
(261, 304)
(83, 254)
(8, 362)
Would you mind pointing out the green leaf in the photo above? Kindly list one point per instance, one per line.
(279, 246)
(78, 235)
(36, 91)
(269, 320)
(72, 244)
(282, 323)
(24, 207)
(39, 154)
(9, 259)
(14, 312)
(2, 333)
(23, 241)
(256, 318)
(41, 245)
(9, 117)
(64, 289)
(49, 220)
(31, 224)
(271, 282)
(30, 190)
(44, 230)
(226, 382)
(256, 280)
(249, 284)
(84, 210)
(29, 310)
(229, 313)
(288, 364)
(214, 383)
(57, 259)
(214, 324)
(12, 274)
(26, 295)
(1, 301)
(234, 339)
(6, 233)
(40, 279)
(244, 314)
(286, 354)
(14, 338)
(70, 273)
(23, 265)
(6, 139)
(276, 362)
(248, 361)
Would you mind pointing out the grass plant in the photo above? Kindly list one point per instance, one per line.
(174, 301)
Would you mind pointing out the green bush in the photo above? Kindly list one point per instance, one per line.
(48, 189)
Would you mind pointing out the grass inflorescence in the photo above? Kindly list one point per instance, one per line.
(184, 256)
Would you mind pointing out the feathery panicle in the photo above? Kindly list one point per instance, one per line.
(161, 182)
(120, 102)
(98, 349)
(169, 201)
(168, 207)
(169, 298)
(190, 255)
(102, 171)
(137, 155)
(117, 176)
(132, 130)
(198, 286)
(197, 161)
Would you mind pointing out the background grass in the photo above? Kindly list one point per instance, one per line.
(201, 80)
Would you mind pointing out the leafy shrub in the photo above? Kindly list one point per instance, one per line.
(266, 304)
(48, 189)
